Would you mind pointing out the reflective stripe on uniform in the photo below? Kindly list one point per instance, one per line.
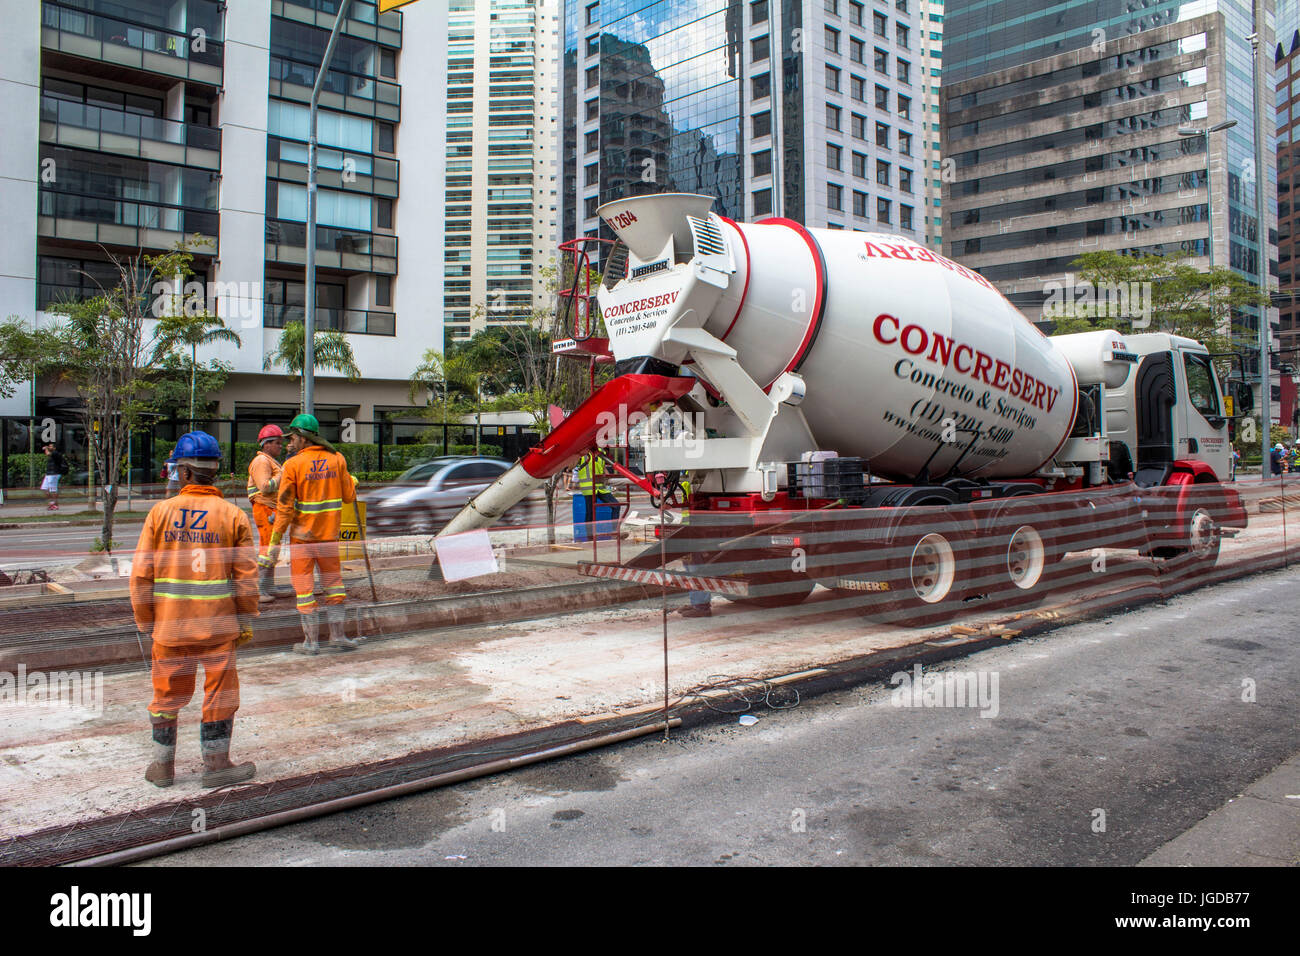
(193, 590)
(319, 507)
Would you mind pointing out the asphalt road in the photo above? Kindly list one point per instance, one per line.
(1139, 717)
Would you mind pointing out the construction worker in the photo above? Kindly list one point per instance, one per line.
(263, 492)
(194, 593)
(588, 482)
(314, 486)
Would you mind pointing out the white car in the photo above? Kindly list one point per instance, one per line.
(426, 496)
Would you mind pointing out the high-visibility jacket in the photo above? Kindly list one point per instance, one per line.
(195, 569)
(585, 480)
(314, 487)
(262, 471)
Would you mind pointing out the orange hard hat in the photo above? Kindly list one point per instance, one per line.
(269, 432)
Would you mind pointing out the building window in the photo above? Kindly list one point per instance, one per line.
(902, 5)
(905, 106)
(832, 117)
(882, 172)
(593, 14)
(758, 12)
(905, 71)
(860, 204)
(882, 210)
(832, 79)
(860, 165)
(384, 291)
(882, 61)
(858, 88)
(593, 141)
(905, 143)
(904, 179)
(856, 11)
(593, 77)
(857, 51)
(591, 174)
(834, 156)
(762, 202)
(859, 126)
(758, 49)
(832, 40)
(593, 45)
(388, 64)
(882, 135)
(384, 213)
(905, 216)
(882, 98)
(386, 134)
(881, 24)
(762, 124)
(763, 163)
(592, 204)
(761, 86)
(834, 197)
(593, 109)
(833, 6)
(900, 33)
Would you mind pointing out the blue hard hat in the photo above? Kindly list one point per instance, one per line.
(196, 445)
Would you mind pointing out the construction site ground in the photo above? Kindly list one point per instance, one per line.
(549, 655)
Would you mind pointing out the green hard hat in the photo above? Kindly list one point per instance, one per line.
(307, 423)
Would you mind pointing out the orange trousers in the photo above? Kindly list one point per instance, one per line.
(304, 556)
(263, 519)
(174, 670)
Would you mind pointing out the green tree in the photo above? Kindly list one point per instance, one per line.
(1183, 300)
(187, 328)
(24, 353)
(331, 351)
(105, 348)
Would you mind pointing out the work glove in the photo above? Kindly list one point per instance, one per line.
(245, 632)
(271, 558)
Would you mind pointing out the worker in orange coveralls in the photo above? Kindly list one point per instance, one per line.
(194, 592)
(314, 487)
(263, 492)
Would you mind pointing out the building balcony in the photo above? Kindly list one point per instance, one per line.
(131, 223)
(350, 92)
(348, 250)
(104, 130)
(122, 34)
(363, 21)
(335, 169)
(352, 321)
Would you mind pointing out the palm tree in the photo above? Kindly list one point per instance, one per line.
(191, 331)
(332, 351)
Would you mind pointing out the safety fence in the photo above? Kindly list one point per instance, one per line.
(534, 638)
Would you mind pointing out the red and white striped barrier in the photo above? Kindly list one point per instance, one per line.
(670, 579)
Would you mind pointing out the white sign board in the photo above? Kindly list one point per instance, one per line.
(466, 555)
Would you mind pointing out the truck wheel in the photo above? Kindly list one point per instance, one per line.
(1025, 557)
(1203, 538)
(930, 585)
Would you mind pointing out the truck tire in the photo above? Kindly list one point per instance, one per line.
(929, 585)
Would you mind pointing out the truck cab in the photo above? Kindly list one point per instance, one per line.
(1169, 413)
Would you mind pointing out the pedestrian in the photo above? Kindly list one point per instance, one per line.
(171, 476)
(264, 473)
(1236, 463)
(1275, 459)
(314, 487)
(55, 468)
(194, 594)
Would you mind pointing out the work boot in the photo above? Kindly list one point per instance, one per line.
(311, 634)
(218, 771)
(339, 641)
(695, 610)
(265, 577)
(162, 772)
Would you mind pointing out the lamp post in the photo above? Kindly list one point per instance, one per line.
(1209, 192)
(1261, 231)
(309, 318)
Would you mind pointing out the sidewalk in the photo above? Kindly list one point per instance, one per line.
(1260, 827)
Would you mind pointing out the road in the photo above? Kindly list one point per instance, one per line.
(1139, 717)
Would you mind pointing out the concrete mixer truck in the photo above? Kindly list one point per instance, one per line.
(880, 413)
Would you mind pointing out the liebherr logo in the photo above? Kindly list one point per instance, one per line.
(76, 909)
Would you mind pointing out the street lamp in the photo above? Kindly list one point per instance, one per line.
(1209, 193)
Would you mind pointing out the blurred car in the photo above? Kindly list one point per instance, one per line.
(426, 496)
